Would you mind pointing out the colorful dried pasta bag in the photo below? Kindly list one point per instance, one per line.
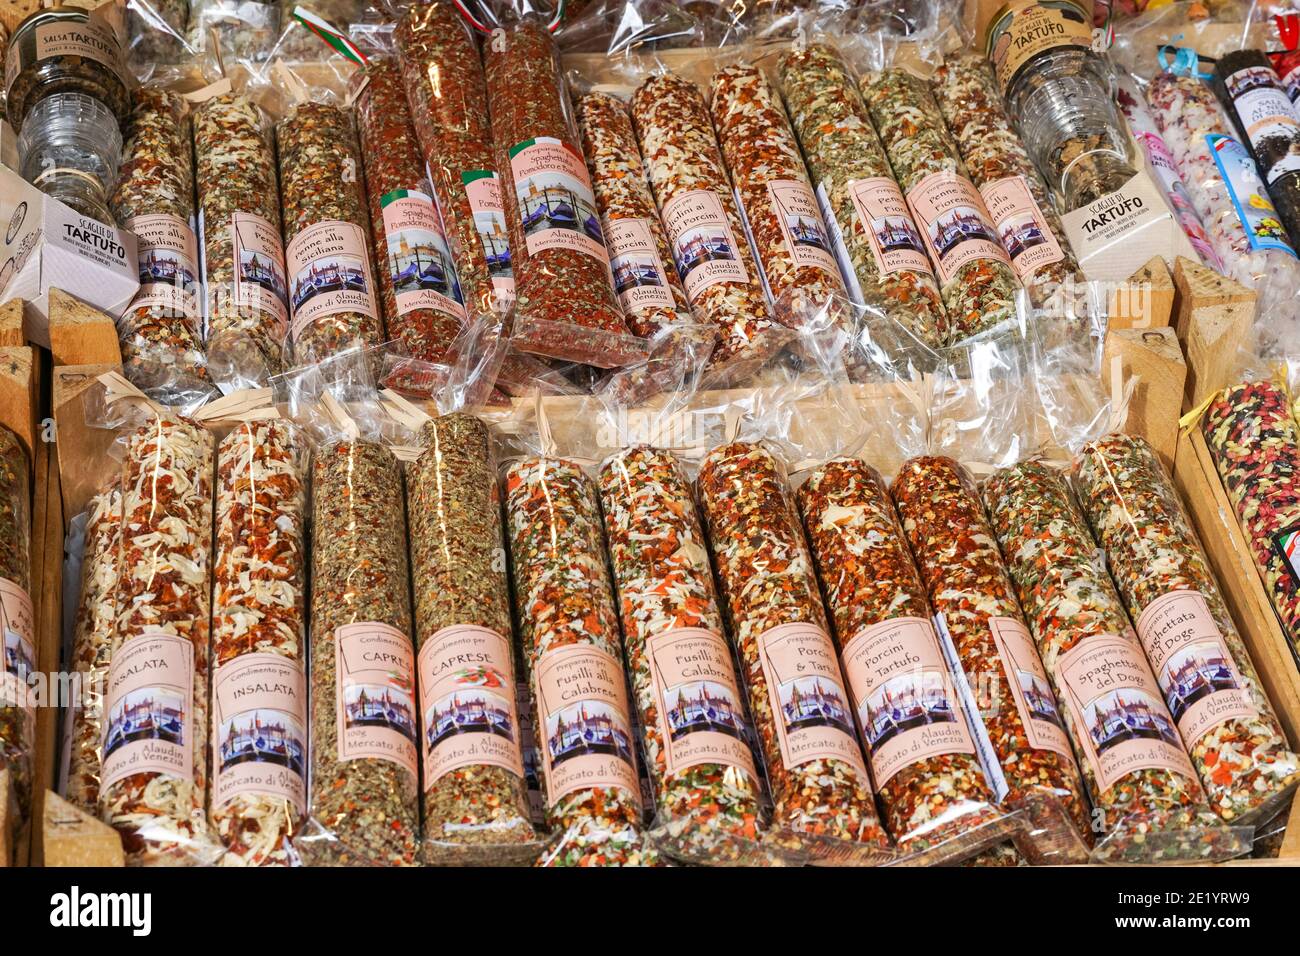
(259, 631)
(938, 805)
(775, 198)
(569, 629)
(876, 241)
(17, 709)
(474, 797)
(1148, 804)
(1201, 665)
(565, 306)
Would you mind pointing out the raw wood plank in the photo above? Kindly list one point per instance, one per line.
(47, 572)
(81, 449)
(1145, 301)
(71, 837)
(1154, 358)
(81, 334)
(18, 394)
(1213, 317)
(8, 814)
(11, 323)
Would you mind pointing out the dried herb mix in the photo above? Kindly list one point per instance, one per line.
(17, 719)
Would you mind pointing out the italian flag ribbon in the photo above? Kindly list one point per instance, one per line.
(336, 40)
(483, 26)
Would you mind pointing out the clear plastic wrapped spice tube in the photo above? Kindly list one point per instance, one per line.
(1203, 668)
(333, 297)
(154, 783)
(1148, 804)
(246, 309)
(64, 50)
(259, 627)
(938, 804)
(155, 33)
(821, 791)
(858, 194)
(976, 279)
(1026, 751)
(566, 307)
(17, 710)
(475, 797)
(570, 633)
(363, 803)
(70, 148)
(694, 726)
(161, 332)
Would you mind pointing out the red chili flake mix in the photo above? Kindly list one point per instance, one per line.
(776, 197)
(333, 297)
(447, 94)
(417, 279)
(984, 635)
(640, 258)
(694, 728)
(566, 307)
(797, 694)
(1255, 444)
(1203, 668)
(698, 211)
(569, 630)
(938, 805)
(259, 625)
(1148, 804)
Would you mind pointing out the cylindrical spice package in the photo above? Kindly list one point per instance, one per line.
(155, 32)
(698, 211)
(448, 101)
(938, 805)
(161, 331)
(1026, 752)
(93, 643)
(1200, 662)
(475, 797)
(154, 782)
(879, 246)
(246, 296)
(1255, 444)
(776, 197)
(17, 709)
(566, 307)
(977, 280)
(694, 728)
(259, 684)
(417, 278)
(645, 278)
(363, 805)
(821, 790)
(1270, 123)
(1148, 805)
(569, 630)
(1223, 182)
(1000, 167)
(333, 298)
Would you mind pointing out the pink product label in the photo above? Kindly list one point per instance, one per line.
(1021, 226)
(1197, 675)
(954, 223)
(806, 238)
(419, 261)
(467, 703)
(1175, 190)
(883, 214)
(149, 703)
(329, 273)
(701, 711)
(705, 249)
(259, 277)
(259, 729)
(583, 724)
(169, 266)
(483, 191)
(375, 694)
(556, 203)
(807, 696)
(906, 704)
(1029, 687)
(1120, 716)
(19, 629)
(639, 277)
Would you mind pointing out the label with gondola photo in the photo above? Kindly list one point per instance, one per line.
(19, 628)
(639, 277)
(259, 257)
(329, 273)
(375, 664)
(168, 254)
(1021, 226)
(954, 223)
(259, 729)
(704, 246)
(483, 193)
(149, 709)
(418, 258)
(806, 237)
(1039, 713)
(557, 206)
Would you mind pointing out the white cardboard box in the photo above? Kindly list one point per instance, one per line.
(48, 245)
